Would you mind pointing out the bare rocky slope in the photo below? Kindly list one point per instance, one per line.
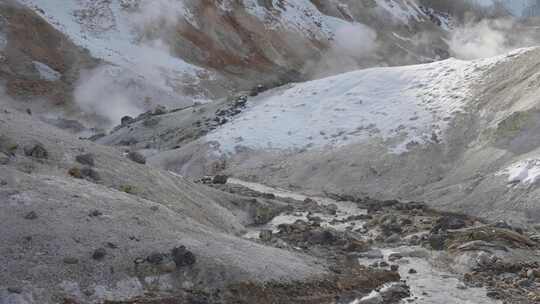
(177, 52)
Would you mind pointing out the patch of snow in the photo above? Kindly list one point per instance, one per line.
(46, 72)
(109, 33)
(404, 106)
(525, 172)
(403, 12)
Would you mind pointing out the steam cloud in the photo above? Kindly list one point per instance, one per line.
(97, 94)
(352, 44)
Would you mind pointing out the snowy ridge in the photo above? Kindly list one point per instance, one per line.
(403, 106)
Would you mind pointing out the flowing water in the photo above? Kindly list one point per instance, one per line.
(432, 283)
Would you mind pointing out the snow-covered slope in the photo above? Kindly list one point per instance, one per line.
(461, 135)
(406, 106)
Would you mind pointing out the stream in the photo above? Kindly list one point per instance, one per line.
(432, 282)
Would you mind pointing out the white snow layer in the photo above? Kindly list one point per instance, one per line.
(402, 105)
(523, 172)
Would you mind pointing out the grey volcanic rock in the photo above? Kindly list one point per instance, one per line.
(56, 249)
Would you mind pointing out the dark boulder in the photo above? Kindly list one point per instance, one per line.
(183, 257)
(99, 254)
(86, 159)
(220, 179)
(126, 120)
(36, 150)
(137, 157)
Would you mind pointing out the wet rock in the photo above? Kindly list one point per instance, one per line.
(332, 209)
(373, 298)
(394, 256)
(183, 257)
(4, 159)
(136, 157)
(151, 122)
(86, 159)
(485, 260)
(394, 238)
(383, 264)
(372, 254)
(220, 179)
(265, 235)
(99, 254)
(395, 292)
(437, 241)
(355, 246)
(32, 215)
(36, 150)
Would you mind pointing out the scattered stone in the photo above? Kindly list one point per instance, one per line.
(95, 213)
(126, 120)
(332, 209)
(394, 238)
(128, 189)
(461, 286)
(16, 290)
(90, 174)
(36, 150)
(395, 292)
(183, 257)
(86, 159)
(220, 179)
(412, 271)
(265, 235)
(70, 260)
(154, 208)
(437, 241)
(167, 266)
(394, 267)
(99, 254)
(372, 254)
(111, 245)
(32, 215)
(383, 264)
(151, 122)
(75, 172)
(4, 159)
(373, 298)
(160, 110)
(155, 258)
(394, 256)
(137, 157)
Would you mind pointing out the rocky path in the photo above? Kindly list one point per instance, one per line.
(440, 257)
